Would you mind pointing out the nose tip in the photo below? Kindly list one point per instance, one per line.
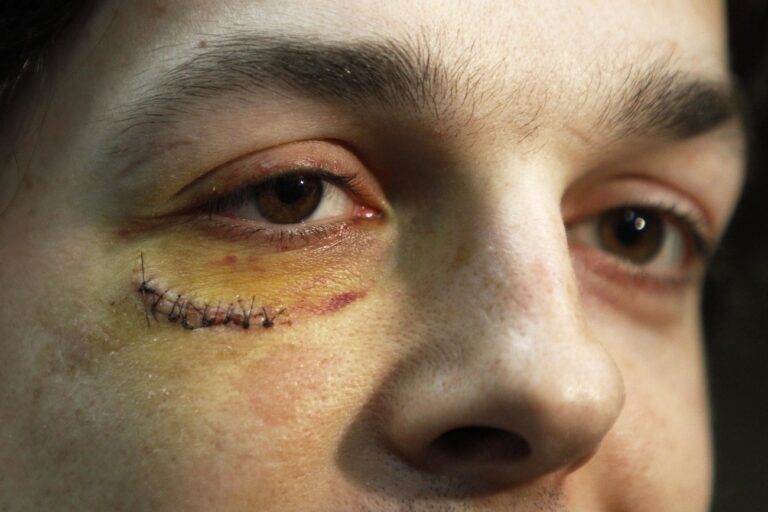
(503, 427)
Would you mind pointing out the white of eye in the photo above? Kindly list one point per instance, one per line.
(333, 203)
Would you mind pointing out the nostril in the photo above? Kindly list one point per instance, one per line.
(482, 444)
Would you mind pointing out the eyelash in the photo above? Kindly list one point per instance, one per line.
(692, 226)
(241, 195)
(239, 230)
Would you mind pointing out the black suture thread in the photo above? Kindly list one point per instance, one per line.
(154, 304)
(145, 288)
(142, 288)
(172, 316)
(207, 322)
(180, 307)
(184, 323)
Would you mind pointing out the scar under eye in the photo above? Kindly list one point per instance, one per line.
(162, 303)
(178, 308)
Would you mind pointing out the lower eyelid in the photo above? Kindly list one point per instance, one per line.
(265, 240)
(630, 293)
(611, 270)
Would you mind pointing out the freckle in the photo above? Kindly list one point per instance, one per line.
(202, 44)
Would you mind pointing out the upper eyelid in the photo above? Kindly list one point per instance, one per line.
(343, 181)
(264, 177)
(640, 190)
(331, 158)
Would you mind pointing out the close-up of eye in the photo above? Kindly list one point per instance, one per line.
(291, 198)
(293, 194)
(659, 241)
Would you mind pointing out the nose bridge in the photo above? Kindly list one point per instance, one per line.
(511, 385)
(516, 263)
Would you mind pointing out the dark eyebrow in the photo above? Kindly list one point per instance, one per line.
(658, 101)
(388, 73)
(410, 76)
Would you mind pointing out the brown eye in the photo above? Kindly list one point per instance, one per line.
(289, 199)
(633, 234)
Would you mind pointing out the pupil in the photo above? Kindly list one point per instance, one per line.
(631, 228)
(290, 189)
(633, 234)
(289, 199)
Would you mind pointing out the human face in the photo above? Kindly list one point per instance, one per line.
(472, 318)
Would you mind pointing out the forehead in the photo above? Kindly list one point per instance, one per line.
(517, 60)
(546, 36)
(558, 44)
(543, 60)
(498, 24)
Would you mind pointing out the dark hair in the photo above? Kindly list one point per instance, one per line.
(736, 290)
(27, 30)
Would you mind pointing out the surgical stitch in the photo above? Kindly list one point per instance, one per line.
(181, 309)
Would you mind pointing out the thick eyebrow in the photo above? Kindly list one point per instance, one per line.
(400, 75)
(658, 101)
(410, 77)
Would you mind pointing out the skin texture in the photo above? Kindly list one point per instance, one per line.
(461, 349)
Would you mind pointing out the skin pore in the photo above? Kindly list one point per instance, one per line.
(466, 320)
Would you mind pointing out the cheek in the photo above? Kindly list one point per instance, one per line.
(287, 388)
(658, 454)
(254, 429)
(202, 286)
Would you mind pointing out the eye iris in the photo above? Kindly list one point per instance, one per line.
(289, 199)
(631, 233)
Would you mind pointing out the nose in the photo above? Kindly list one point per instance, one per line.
(513, 387)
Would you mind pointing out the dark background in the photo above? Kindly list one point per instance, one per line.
(736, 293)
